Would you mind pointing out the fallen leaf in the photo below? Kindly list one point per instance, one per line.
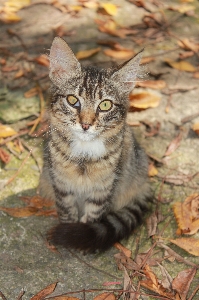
(143, 100)
(9, 17)
(90, 4)
(43, 60)
(152, 283)
(183, 8)
(119, 54)
(87, 53)
(175, 143)
(182, 281)
(195, 127)
(45, 292)
(188, 45)
(152, 171)
(181, 65)
(108, 8)
(126, 251)
(105, 296)
(10, 8)
(146, 60)
(20, 212)
(111, 28)
(186, 214)
(191, 245)
(4, 156)
(6, 131)
(153, 84)
(19, 74)
(196, 75)
(75, 8)
(38, 201)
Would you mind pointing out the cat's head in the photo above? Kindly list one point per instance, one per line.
(91, 102)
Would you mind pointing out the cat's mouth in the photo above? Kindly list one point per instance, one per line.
(85, 135)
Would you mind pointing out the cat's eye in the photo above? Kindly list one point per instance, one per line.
(73, 101)
(105, 105)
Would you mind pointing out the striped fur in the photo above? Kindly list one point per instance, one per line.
(93, 167)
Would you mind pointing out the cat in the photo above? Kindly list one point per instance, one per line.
(94, 168)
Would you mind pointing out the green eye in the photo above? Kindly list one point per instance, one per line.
(105, 105)
(72, 100)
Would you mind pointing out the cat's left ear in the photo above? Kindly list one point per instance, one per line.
(127, 73)
(63, 63)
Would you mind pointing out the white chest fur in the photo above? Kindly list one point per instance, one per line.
(92, 149)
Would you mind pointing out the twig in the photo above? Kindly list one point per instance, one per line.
(33, 155)
(15, 175)
(90, 266)
(109, 290)
(25, 131)
(2, 296)
(177, 256)
(21, 295)
(189, 118)
(194, 292)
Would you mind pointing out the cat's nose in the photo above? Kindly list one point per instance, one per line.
(85, 126)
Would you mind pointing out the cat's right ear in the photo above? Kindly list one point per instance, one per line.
(63, 62)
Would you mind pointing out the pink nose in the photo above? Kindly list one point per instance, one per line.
(85, 126)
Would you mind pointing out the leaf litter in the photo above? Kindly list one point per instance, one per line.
(154, 27)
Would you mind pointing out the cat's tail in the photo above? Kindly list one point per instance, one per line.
(100, 235)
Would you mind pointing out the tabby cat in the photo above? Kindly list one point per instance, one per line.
(93, 167)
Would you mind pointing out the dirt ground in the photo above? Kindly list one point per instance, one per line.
(27, 263)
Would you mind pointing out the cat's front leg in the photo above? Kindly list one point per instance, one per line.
(94, 210)
(66, 207)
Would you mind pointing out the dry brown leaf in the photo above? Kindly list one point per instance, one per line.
(126, 251)
(153, 84)
(182, 281)
(186, 215)
(143, 100)
(19, 74)
(188, 45)
(38, 201)
(146, 60)
(43, 60)
(190, 245)
(4, 156)
(105, 296)
(20, 212)
(90, 4)
(152, 283)
(181, 65)
(45, 292)
(175, 143)
(6, 131)
(109, 8)
(47, 213)
(75, 8)
(110, 27)
(196, 75)
(87, 53)
(8, 12)
(152, 171)
(183, 8)
(195, 127)
(119, 54)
